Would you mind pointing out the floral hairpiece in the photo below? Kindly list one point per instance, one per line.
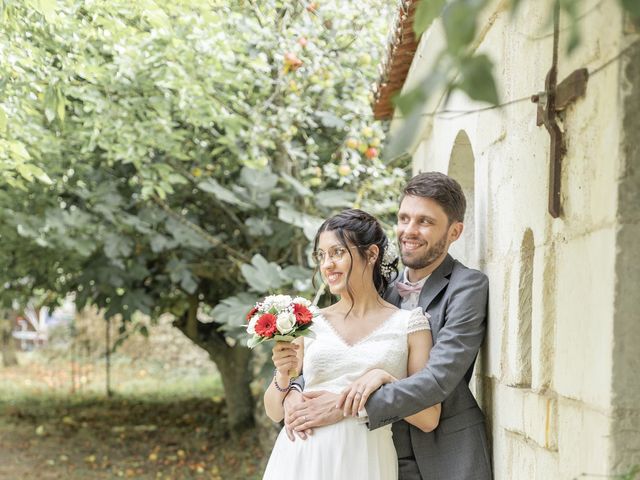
(389, 260)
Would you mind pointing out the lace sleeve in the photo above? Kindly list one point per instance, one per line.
(418, 321)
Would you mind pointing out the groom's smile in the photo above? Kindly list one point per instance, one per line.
(424, 234)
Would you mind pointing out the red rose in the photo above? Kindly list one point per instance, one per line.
(251, 313)
(302, 314)
(266, 325)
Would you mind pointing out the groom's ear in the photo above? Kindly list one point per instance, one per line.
(455, 230)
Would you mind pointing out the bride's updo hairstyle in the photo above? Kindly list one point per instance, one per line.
(359, 230)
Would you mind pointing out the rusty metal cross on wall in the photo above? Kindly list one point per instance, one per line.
(554, 99)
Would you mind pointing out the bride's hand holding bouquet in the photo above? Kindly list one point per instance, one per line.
(283, 319)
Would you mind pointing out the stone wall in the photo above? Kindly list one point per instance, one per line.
(558, 374)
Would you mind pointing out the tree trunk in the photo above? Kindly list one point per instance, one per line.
(7, 342)
(233, 364)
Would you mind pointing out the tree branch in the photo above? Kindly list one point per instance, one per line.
(213, 241)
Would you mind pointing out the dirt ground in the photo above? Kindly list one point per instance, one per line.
(55, 436)
(166, 419)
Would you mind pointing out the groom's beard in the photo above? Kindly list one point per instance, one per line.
(432, 254)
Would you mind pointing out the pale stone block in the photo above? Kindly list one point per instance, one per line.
(583, 440)
(526, 460)
(531, 415)
(626, 347)
(542, 321)
(584, 317)
(496, 320)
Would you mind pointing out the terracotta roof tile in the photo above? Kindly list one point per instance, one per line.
(402, 47)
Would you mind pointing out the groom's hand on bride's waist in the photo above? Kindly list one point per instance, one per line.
(293, 399)
(317, 410)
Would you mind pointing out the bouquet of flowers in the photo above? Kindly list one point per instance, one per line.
(280, 318)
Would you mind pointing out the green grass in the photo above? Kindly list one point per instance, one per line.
(160, 423)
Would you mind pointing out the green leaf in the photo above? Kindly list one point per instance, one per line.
(212, 186)
(185, 236)
(574, 37)
(414, 98)
(18, 150)
(116, 246)
(259, 227)
(427, 86)
(50, 104)
(262, 180)
(46, 8)
(29, 171)
(180, 273)
(336, 198)
(259, 185)
(254, 341)
(261, 275)
(298, 186)
(426, 13)
(296, 272)
(160, 243)
(330, 120)
(233, 310)
(459, 22)
(570, 7)
(3, 120)
(188, 283)
(412, 105)
(308, 223)
(476, 79)
(631, 6)
(60, 104)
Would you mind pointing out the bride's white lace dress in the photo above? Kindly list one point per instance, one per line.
(347, 450)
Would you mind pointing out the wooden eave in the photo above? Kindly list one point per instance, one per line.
(401, 50)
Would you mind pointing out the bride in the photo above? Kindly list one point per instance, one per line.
(361, 342)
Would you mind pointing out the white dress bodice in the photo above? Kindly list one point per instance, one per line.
(346, 450)
(332, 364)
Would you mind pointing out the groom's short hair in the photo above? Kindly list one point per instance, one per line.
(441, 188)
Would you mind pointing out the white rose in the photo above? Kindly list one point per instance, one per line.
(302, 301)
(285, 322)
(251, 328)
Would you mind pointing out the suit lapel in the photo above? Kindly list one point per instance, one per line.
(435, 283)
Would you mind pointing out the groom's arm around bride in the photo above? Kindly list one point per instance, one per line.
(455, 297)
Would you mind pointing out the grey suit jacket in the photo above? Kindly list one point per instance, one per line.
(456, 298)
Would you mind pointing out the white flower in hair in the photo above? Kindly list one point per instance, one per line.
(388, 259)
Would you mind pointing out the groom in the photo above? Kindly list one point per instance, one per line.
(429, 220)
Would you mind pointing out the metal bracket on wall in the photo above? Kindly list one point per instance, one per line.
(554, 99)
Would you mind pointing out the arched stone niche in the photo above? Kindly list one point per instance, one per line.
(462, 168)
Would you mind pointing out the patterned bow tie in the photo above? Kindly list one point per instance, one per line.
(404, 290)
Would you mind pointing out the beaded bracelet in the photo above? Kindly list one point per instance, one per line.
(278, 387)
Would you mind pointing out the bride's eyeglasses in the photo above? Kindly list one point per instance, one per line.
(334, 254)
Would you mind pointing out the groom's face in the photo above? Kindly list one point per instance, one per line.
(424, 232)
